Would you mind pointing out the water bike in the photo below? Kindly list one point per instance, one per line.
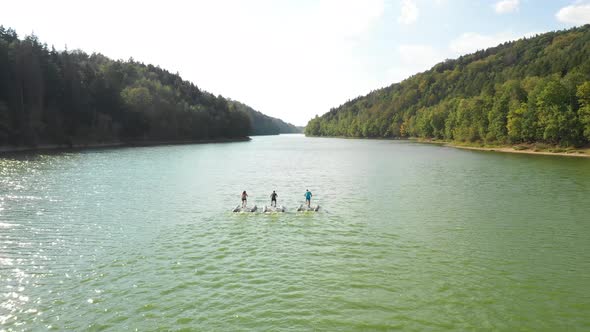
(271, 209)
(305, 208)
(239, 208)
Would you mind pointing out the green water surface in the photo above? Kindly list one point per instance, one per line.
(410, 237)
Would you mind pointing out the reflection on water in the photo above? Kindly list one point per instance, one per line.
(412, 237)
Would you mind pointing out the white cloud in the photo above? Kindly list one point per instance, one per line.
(348, 18)
(577, 14)
(420, 55)
(506, 6)
(409, 12)
(470, 42)
(414, 58)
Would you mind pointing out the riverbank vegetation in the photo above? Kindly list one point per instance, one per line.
(73, 98)
(533, 90)
(526, 148)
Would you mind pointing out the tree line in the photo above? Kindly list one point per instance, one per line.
(530, 90)
(70, 97)
(262, 124)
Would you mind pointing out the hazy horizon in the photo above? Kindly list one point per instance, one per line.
(287, 59)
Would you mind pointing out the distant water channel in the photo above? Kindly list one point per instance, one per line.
(410, 236)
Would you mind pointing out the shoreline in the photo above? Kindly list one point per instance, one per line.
(367, 138)
(524, 149)
(9, 149)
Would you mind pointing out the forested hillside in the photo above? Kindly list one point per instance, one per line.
(529, 90)
(70, 97)
(261, 124)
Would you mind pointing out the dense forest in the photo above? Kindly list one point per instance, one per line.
(261, 124)
(529, 90)
(70, 97)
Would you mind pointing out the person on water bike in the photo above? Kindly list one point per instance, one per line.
(273, 199)
(244, 199)
(308, 197)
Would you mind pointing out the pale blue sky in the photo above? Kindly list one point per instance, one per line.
(290, 59)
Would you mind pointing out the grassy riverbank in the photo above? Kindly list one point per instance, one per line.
(81, 146)
(529, 148)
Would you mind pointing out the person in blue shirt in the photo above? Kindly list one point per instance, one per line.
(308, 197)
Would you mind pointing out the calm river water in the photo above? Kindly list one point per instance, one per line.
(411, 237)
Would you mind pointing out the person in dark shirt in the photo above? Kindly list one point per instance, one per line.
(273, 199)
(244, 199)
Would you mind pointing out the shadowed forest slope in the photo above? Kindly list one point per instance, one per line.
(261, 124)
(70, 97)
